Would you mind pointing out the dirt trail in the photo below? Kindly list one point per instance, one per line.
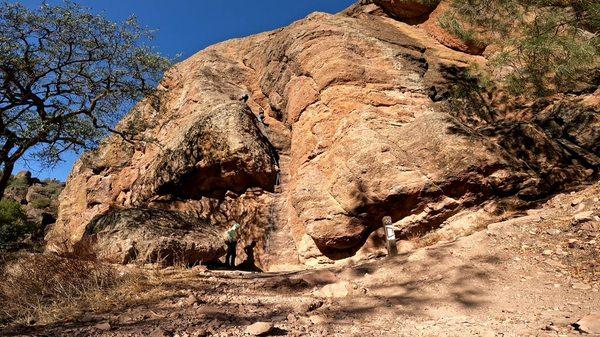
(533, 275)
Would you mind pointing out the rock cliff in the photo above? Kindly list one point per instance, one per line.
(357, 126)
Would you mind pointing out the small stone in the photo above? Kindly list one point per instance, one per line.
(589, 324)
(582, 217)
(547, 252)
(190, 300)
(581, 286)
(200, 268)
(317, 319)
(335, 290)
(580, 208)
(279, 318)
(303, 321)
(159, 333)
(561, 252)
(200, 332)
(318, 277)
(259, 328)
(310, 306)
(314, 305)
(553, 231)
(105, 326)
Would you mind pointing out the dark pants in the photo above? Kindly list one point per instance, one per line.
(230, 256)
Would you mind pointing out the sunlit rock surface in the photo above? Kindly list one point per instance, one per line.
(356, 128)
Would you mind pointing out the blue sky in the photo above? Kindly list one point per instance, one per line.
(187, 26)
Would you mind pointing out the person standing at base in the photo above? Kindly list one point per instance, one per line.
(231, 236)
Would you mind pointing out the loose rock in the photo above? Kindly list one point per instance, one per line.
(335, 290)
(589, 324)
(105, 326)
(259, 328)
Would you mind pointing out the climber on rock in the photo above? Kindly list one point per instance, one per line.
(278, 177)
(231, 236)
(261, 117)
(245, 98)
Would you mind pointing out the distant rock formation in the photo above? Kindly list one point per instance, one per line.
(38, 198)
(356, 127)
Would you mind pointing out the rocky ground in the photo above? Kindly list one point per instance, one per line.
(360, 123)
(537, 274)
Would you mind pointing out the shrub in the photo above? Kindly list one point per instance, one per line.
(17, 182)
(39, 280)
(543, 47)
(43, 289)
(13, 223)
(53, 188)
(40, 203)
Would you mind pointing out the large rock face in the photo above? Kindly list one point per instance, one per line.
(356, 129)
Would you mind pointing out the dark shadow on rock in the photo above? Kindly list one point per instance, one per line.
(549, 145)
(249, 264)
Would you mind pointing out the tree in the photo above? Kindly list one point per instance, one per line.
(66, 78)
(542, 46)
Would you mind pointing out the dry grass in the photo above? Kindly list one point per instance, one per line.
(46, 289)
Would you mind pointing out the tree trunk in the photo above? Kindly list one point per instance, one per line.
(6, 173)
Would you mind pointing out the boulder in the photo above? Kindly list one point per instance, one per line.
(223, 150)
(151, 236)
